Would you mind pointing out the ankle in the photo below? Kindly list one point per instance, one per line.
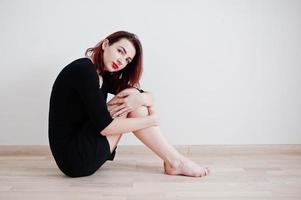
(174, 162)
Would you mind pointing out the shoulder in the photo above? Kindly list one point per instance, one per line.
(80, 72)
(80, 68)
(81, 64)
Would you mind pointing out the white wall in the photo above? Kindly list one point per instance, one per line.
(222, 72)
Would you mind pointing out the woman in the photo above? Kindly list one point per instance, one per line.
(84, 130)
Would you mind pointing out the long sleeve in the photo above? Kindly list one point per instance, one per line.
(86, 83)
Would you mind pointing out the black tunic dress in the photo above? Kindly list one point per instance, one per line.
(77, 115)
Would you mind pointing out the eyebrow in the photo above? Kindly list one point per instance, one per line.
(123, 49)
(125, 52)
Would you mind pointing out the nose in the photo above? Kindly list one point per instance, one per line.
(119, 62)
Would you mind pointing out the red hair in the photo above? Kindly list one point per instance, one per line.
(128, 76)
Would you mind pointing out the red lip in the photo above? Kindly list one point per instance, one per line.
(115, 66)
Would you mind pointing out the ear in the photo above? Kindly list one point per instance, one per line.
(104, 44)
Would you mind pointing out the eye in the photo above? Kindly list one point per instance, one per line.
(119, 51)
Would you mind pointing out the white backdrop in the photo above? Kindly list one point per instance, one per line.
(222, 72)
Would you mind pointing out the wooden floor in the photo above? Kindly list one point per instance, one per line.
(237, 172)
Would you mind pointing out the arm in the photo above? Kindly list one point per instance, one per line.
(128, 100)
(86, 83)
(147, 99)
(122, 125)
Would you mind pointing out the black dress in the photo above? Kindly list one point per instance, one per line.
(77, 115)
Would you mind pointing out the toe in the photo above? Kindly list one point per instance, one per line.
(205, 172)
(208, 170)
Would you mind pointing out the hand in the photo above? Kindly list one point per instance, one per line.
(112, 108)
(124, 102)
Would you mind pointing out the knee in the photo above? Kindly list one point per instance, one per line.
(142, 111)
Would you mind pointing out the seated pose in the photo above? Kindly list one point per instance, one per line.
(84, 129)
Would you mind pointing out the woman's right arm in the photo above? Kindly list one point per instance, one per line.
(123, 125)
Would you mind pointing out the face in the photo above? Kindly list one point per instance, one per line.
(117, 55)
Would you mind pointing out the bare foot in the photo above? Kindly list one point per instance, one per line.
(185, 167)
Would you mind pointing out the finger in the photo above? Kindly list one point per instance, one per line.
(119, 113)
(111, 108)
(122, 111)
(118, 108)
(116, 101)
(123, 93)
(124, 114)
(113, 100)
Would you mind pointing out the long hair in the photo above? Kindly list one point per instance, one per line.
(128, 76)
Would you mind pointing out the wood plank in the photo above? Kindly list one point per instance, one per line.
(237, 172)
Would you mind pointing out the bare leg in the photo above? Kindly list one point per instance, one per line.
(174, 162)
(113, 141)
